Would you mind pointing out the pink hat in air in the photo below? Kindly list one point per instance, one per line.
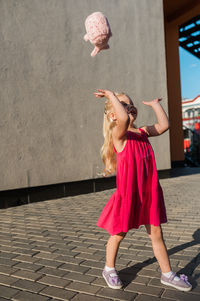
(98, 31)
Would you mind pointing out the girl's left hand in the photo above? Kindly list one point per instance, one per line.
(150, 103)
(103, 93)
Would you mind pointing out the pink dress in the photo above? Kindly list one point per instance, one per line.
(138, 199)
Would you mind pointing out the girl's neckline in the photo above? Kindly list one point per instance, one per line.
(140, 134)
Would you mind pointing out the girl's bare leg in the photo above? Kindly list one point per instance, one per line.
(159, 247)
(112, 248)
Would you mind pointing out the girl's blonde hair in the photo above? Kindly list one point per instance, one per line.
(107, 151)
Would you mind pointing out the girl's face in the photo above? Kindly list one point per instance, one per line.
(129, 107)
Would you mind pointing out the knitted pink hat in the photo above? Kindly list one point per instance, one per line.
(98, 31)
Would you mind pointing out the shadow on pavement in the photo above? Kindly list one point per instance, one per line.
(129, 274)
(184, 171)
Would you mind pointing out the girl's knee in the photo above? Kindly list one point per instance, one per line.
(120, 236)
(154, 232)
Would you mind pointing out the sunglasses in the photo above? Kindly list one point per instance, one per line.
(130, 108)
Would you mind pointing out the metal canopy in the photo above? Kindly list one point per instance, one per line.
(189, 36)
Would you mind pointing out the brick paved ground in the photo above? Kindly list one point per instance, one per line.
(53, 250)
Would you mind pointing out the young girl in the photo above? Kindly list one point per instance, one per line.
(138, 199)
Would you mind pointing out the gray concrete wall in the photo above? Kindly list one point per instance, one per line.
(50, 122)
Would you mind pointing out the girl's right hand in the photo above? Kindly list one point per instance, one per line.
(103, 93)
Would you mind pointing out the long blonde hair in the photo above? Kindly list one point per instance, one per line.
(107, 151)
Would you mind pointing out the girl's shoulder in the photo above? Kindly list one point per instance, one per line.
(144, 130)
(139, 131)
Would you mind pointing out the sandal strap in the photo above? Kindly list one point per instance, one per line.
(171, 278)
(111, 272)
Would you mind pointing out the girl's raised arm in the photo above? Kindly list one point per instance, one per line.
(118, 115)
(163, 122)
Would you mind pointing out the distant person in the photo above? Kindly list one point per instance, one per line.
(138, 199)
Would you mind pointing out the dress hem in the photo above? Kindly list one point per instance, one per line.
(113, 233)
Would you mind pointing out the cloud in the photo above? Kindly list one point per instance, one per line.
(193, 65)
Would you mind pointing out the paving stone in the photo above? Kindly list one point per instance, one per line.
(84, 297)
(24, 258)
(94, 241)
(130, 256)
(58, 293)
(48, 263)
(191, 253)
(44, 255)
(54, 281)
(141, 279)
(27, 275)
(28, 285)
(44, 249)
(26, 252)
(94, 272)
(8, 292)
(20, 240)
(73, 267)
(79, 277)
(140, 247)
(95, 264)
(7, 280)
(180, 257)
(66, 253)
(23, 246)
(100, 282)
(142, 258)
(5, 238)
(26, 296)
(8, 255)
(28, 266)
(69, 247)
(68, 259)
(7, 248)
(53, 272)
(146, 253)
(83, 288)
(116, 294)
(93, 257)
(84, 250)
(178, 295)
(62, 246)
(183, 263)
(153, 267)
(7, 262)
(7, 270)
(74, 238)
(139, 288)
(149, 273)
(119, 262)
(150, 298)
(94, 248)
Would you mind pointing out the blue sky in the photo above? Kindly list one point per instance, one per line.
(190, 74)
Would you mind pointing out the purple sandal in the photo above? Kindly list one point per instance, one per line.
(112, 281)
(182, 284)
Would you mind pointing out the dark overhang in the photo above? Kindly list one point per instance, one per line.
(189, 36)
(173, 9)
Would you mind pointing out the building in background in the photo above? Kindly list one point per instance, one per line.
(51, 124)
(191, 113)
(191, 128)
